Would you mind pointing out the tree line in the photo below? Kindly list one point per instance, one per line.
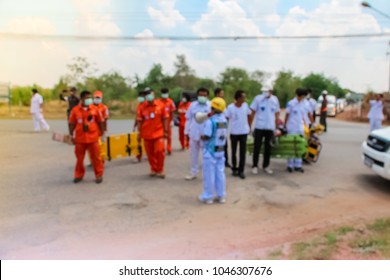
(82, 74)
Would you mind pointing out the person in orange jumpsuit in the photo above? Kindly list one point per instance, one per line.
(102, 108)
(182, 110)
(141, 100)
(153, 128)
(85, 127)
(169, 107)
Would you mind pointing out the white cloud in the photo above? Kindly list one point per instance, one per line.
(167, 16)
(94, 19)
(225, 18)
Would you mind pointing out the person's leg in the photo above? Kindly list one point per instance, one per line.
(169, 140)
(42, 122)
(233, 143)
(79, 151)
(226, 154)
(149, 148)
(182, 137)
(220, 179)
(194, 153)
(267, 147)
(242, 143)
(257, 146)
(36, 122)
(159, 152)
(97, 163)
(209, 169)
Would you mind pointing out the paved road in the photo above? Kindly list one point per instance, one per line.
(44, 215)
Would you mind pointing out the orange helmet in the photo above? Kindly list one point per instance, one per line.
(98, 93)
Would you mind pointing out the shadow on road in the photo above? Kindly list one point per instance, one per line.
(372, 182)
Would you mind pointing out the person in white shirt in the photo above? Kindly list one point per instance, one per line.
(194, 130)
(266, 107)
(36, 111)
(294, 121)
(238, 114)
(375, 115)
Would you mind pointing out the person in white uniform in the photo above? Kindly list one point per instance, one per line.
(36, 111)
(214, 136)
(375, 115)
(238, 114)
(294, 121)
(266, 108)
(194, 130)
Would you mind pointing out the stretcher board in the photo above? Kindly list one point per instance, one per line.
(63, 138)
(287, 146)
(120, 146)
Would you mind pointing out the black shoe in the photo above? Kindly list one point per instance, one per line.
(241, 175)
(289, 169)
(76, 180)
(228, 165)
(99, 180)
(235, 173)
(299, 169)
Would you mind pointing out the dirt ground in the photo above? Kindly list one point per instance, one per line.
(43, 215)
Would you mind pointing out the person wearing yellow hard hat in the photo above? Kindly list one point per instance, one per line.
(214, 138)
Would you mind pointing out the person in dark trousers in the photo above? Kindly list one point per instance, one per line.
(218, 92)
(266, 108)
(238, 114)
(324, 110)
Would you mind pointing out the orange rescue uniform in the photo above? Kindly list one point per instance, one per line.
(184, 139)
(152, 118)
(169, 107)
(86, 136)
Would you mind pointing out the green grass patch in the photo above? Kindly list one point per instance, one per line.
(344, 230)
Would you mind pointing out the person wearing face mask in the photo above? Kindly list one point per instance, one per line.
(194, 130)
(85, 128)
(266, 108)
(296, 112)
(169, 107)
(102, 108)
(182, 110)
(153, 129)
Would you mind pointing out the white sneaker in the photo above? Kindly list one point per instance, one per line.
(190, 177)
(268, 171)
(205, 201)
(135, 160)
(221, 200)
(255, 170)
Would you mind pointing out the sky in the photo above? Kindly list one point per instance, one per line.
(359, 64)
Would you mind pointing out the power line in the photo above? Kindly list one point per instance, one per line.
(21, 36)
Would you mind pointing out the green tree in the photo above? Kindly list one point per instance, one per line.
(79, 71)
(184, 76)
(318, 83)
(233, 79)
(285, 85)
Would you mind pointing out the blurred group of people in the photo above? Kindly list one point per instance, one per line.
(88, 116)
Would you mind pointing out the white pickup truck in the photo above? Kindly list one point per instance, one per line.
(376, 152)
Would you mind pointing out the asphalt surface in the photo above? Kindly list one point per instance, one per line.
(44, 215)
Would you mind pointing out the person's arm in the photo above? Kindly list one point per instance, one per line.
(207, 131)
(165, 125)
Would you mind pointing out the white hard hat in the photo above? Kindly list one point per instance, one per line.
(325, 92)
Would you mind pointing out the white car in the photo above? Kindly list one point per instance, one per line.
(376, 152)
(332, 106)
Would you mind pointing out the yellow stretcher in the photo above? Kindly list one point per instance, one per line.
(121, 146)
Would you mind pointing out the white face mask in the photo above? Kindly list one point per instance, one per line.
(184, 99)
(164, 95)
(97, 101)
